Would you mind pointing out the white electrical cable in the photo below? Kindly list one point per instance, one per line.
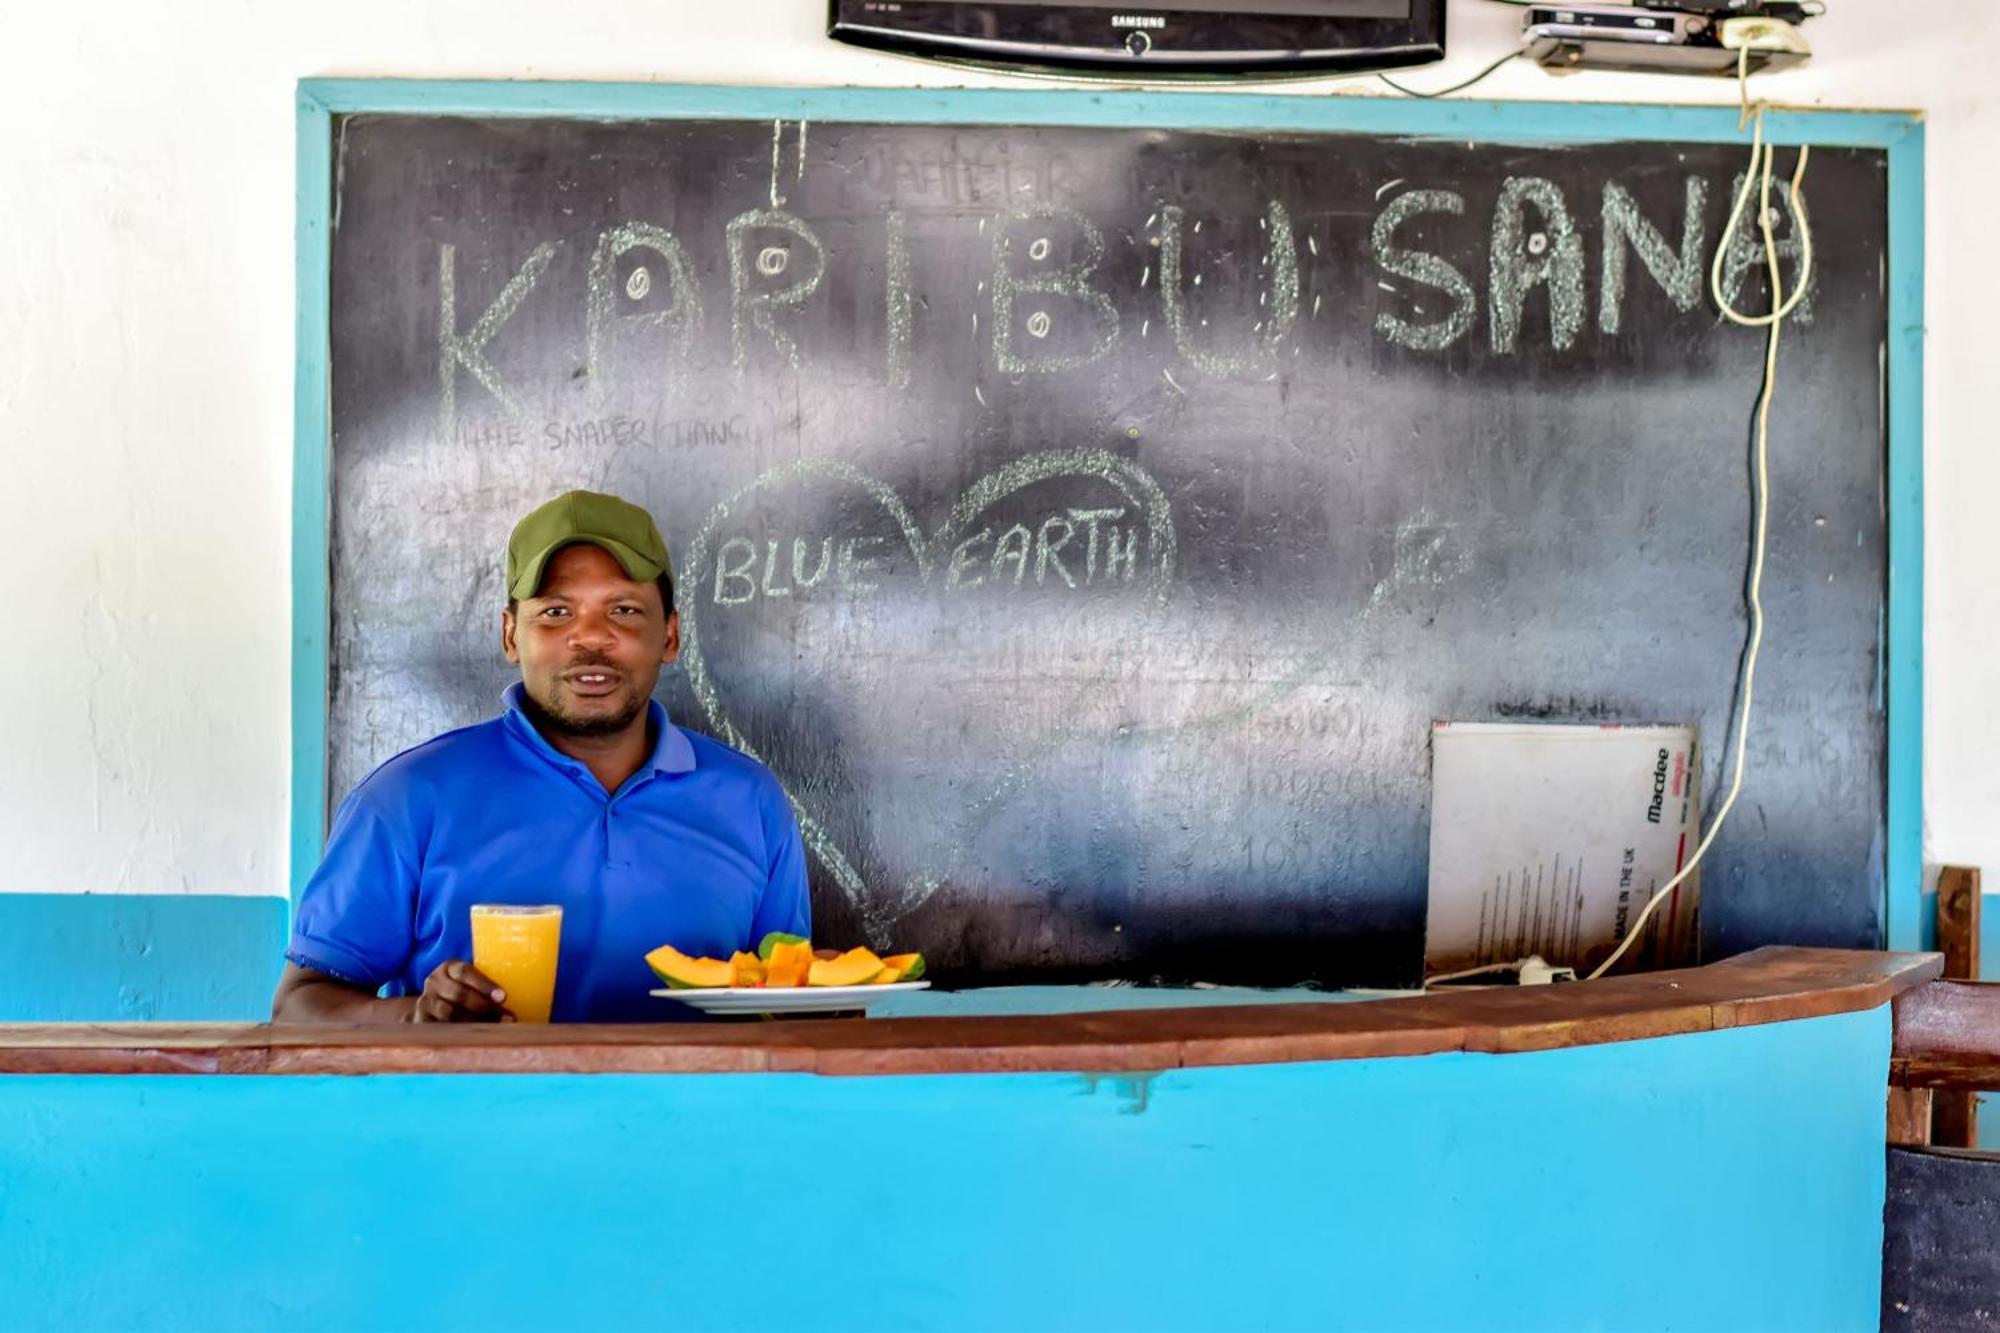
(1761, 155)
(1463, 973)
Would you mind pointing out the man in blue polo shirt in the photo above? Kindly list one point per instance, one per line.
(581, 794)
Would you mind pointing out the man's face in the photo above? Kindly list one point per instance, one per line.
(590, 642)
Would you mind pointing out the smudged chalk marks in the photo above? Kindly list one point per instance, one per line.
(467, 351)
(751, 305)
(680, 316)
(1679, 273)
(1421, 266)
(1426, 556)
(1138, 488)
(1515, 269)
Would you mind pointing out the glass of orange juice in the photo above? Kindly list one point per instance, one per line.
(516, 948)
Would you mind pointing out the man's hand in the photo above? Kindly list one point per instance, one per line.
(456, 992)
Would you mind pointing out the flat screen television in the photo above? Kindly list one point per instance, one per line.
(1161, 39)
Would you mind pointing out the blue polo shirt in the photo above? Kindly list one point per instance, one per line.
(698, 849)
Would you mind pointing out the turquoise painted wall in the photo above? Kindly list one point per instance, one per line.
(75, 957)
(1729, 1180)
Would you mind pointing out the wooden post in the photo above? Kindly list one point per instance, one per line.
(1955, 1114)
(1910, 1112)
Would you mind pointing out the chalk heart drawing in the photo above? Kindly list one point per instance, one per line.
(881, 905)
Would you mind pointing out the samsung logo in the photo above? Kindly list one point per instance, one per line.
(1137, 21)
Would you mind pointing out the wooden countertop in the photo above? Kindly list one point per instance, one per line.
(1948, 1036)
(1765, 986)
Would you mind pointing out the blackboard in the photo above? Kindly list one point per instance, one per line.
(1086, 523)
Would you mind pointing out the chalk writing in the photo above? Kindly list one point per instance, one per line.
(1745, 255)
(1310, 787)
(1071, 281)
(1051, 309)
(1139, 490)
(1048, 540)
(987, 177)
(1678, 273)
(896, 301)
(1418, 266)
(1514, 269)
(1281, 262)
(821, 843)
(737, 576)
(1116, 545)
(618, 430)
(504, 432)
(750, 307)
(615, 431)
(1295, 720)
(681, 317)
(467, 351)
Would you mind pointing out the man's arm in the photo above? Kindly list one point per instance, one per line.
(306, 996)
(455, 992)
(352, 931)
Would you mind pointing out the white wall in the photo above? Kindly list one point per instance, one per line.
(146, 162)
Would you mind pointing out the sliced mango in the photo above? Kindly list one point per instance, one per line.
(907, 966)
(684, 973)
(745, 969)
(856, 967)
(788, 964)
(777, 937)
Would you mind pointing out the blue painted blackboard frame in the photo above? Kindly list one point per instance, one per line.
(1900, 135)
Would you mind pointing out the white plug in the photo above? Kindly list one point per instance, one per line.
(1535, 972)
(1755, 33)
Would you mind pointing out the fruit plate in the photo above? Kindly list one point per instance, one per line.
(785, 999)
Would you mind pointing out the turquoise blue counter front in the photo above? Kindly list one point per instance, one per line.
(1726, 1178)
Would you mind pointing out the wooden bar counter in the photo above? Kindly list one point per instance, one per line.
(1765, 986)
(1692, 1149)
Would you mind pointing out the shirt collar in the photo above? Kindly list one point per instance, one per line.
(672, 752)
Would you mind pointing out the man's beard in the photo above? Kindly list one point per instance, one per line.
(548, 720)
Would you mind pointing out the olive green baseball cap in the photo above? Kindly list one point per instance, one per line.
(619, 527)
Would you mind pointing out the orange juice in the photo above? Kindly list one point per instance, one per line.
(516, 947)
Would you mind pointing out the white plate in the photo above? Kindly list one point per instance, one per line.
(784, 999)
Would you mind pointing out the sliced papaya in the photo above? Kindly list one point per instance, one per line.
(745, 969)
(856, 967)
(774, 939)
(908, 966)
(788, 964)
(684, 973)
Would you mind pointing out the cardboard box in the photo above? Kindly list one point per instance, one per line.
(1549, 840)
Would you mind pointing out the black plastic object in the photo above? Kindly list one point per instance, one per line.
(1145, 41)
